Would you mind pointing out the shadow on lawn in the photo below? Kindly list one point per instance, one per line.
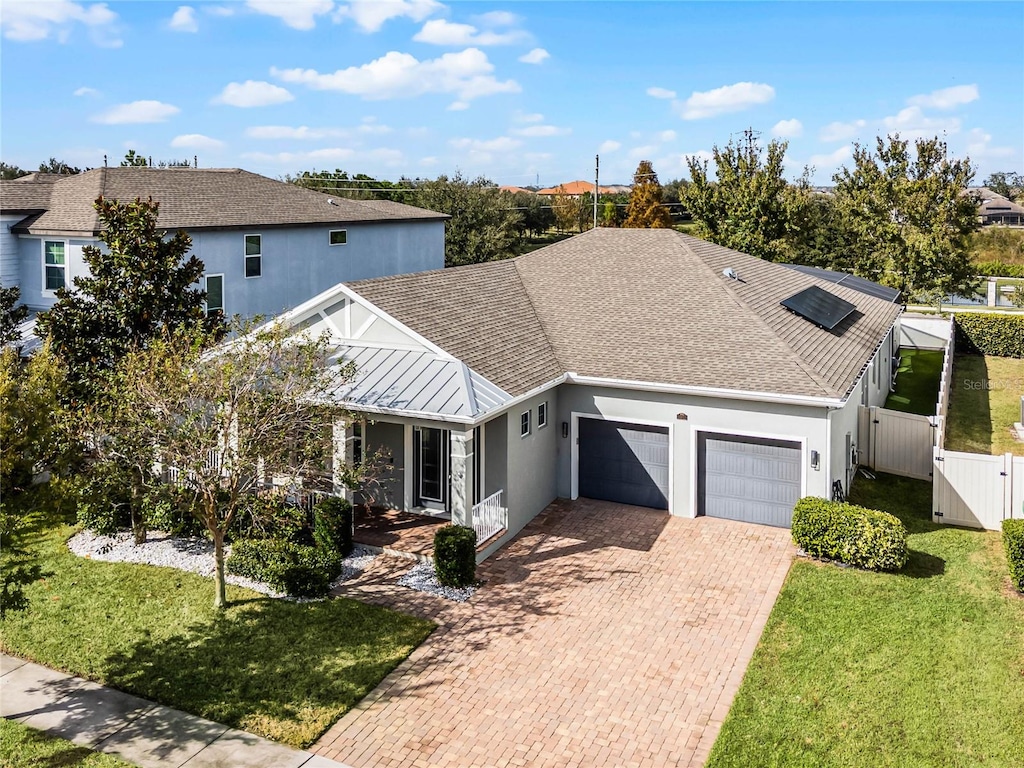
(922, 565)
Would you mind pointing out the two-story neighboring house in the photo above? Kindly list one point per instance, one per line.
(266, 245)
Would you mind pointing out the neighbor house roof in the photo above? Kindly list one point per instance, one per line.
(189, 198)
(574, 188)
(639, 306)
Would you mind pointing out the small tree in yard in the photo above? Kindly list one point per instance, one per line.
(12, 314)
(646, 209)
(228, 417)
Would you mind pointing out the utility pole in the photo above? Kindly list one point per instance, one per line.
(597, 177)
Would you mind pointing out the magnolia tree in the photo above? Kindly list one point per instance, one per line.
(226, 418)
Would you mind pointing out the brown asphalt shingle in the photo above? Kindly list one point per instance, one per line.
(192, 198)
(637, 305)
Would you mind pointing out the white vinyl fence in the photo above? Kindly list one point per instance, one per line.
(976, 490)
(896, 442)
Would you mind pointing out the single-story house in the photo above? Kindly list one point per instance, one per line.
(994, 208)
(639, 366)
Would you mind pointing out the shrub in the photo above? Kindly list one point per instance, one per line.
(104, 503)
(999, 269)
(332, 525)
(1013, 541)
(167, 508)
(455, 555)
(296, 569)
(850, 534)
(990, 334)
(269, 516)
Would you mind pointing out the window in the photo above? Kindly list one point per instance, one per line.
(214, 294)
(524, 424)
(253, 255)
(339, 236)
(542, 414)
(55, 265)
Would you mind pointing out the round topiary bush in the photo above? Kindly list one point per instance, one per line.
(866, 538)
(455, 555)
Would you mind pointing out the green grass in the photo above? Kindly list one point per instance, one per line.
(279, 669)
(917, 382)
(923, 668)
(984, 403)
(24, 747)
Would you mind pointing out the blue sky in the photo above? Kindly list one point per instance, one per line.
(519, 92)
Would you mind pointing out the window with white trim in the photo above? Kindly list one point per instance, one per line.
(524, 424)
(339, 237)
(214, 294)
(253, 255)
(55, 265)
(542, 415)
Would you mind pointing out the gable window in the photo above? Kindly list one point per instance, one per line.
(253, 255)
(524, 424)
(214, 294)
(542, 414)
(339, 236)
(55, 264)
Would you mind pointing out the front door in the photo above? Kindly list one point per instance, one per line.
(432, 457)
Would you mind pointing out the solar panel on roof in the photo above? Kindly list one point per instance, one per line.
(819, 306)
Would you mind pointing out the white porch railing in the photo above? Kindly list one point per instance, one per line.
(489, 517)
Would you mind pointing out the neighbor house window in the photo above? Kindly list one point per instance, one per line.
(339, 236)
(524, 424)
(542, 414)
(55, 264)
(214, 294)
(253, 255)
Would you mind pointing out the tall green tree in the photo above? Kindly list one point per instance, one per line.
(909, 215)
(8, 171)
(12, 314)
(1006, 183)
(134, 160)
(744, 207)
(484, 224)
(357, 186)
(646, 208)
(141, 284)
(53, 165)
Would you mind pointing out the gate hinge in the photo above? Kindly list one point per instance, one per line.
(1002, 474)
(939, 458)
(937, 514)
(875, 421)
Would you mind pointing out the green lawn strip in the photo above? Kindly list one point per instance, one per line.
(984, 402)
(917, 382)
(922, 668)
(24, 747)
(279, 669)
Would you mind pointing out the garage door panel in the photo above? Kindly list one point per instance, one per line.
(749, 479)
(627, 463)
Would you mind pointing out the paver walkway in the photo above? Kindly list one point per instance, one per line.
(136, 730)
(605, 635)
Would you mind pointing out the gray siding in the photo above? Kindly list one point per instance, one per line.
(10, 262)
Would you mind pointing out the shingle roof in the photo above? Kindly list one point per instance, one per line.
(191, 198)
(637, 305)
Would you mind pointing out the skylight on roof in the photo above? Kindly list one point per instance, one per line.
(819, 306)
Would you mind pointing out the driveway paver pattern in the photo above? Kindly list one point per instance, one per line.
(604, 635)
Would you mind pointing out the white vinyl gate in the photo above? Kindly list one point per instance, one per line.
(896, 442)
(976, 490)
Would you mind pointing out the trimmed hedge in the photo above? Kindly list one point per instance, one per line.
(455, 555)
(332, 524)
(999, 269)
(866, 538)
(1013, 542)
(990, 334)
(295, 569)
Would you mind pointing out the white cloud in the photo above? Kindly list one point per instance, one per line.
(500, 144)
(528, 117)
(146, 111)
(298, 133)
(946, 98)
(497, 19)
(728, 98)
(32, 21)
(912, 123)
(608, 146)
(252, 93)
(660, 93)
(676, 165)
(667, 136)
(458, 106)
(184, 20)
(219, 10)
(196, 141)
(428, 161)
(297, 14)
(371, 15)
(832, 160)
(788, 129)
(86, 91)
(979, 145)
(535, 56)
(386, 156)
(839, 131)
(443, 32)
(467, 75)
(645, 152)
(535, 131)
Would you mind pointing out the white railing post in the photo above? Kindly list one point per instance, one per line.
(489, 517)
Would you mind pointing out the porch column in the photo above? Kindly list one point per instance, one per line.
(342, 457)
(462, 477)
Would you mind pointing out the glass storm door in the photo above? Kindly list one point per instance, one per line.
(433, 460)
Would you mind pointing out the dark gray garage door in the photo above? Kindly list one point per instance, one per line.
(622, 462)
(751, 479)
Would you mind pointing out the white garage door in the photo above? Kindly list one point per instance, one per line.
(749, 479)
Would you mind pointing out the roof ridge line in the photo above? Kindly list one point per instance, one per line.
(536, 314)
(793, 354)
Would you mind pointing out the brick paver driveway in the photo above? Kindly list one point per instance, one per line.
(606, 635)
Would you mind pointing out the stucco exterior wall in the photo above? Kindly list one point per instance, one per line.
(384, 445)
(533, 465)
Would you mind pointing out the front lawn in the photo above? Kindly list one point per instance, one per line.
(24, 747)
(917, 382)
(924, 668)
(984, 403)
(279, 669)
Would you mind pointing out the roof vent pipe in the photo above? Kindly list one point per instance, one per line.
(730, 273)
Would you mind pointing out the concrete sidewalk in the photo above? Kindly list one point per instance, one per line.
(134, 729)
